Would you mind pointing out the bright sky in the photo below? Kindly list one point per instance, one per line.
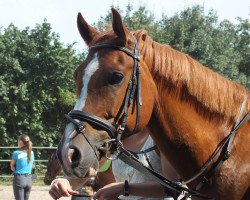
(62, 13)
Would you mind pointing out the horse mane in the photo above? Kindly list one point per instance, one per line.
(189, 80)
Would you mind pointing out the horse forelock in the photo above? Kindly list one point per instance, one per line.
(106, 37)
(189, 80)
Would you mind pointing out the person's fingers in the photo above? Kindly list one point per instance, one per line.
(54, 194)
(63, 190)
(57, 193)
(58, 189)
(72, 192)
(66, 191)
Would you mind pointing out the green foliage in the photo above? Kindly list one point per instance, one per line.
(140, 19)
(66, 97)
(216, 45)
(243, 48)
(35, 68)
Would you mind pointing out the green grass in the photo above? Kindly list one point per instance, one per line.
(8, 181)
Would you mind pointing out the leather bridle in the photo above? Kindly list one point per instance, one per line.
(116, 129)
(133, 94)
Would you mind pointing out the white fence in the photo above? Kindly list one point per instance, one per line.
(8, 160)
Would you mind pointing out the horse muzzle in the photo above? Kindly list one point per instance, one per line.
(77, 157)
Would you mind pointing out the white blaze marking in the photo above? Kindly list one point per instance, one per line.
(80, 103)
(89, 71)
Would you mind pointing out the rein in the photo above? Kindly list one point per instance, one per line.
(224, 147)
(116, 130)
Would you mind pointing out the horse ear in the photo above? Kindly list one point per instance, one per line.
(87, 32)
(119, 28)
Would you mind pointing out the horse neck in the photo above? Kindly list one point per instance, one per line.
(192, 110)
(186, 79)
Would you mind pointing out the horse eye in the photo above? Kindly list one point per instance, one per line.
(116, 78)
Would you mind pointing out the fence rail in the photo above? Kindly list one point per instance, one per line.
(14, 147)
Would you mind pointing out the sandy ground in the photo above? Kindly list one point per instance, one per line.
(37, 193)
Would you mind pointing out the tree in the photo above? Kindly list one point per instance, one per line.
(36, 84)
(212, 43)
(243, 47)
(134, 20)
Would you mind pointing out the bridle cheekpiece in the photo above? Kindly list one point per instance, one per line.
(116, 129)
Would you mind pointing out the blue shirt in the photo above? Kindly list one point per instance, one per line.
(22, 165)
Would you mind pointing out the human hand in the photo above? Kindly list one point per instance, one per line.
(111, 191)
(61, 187)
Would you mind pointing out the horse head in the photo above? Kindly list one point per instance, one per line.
(102, 82)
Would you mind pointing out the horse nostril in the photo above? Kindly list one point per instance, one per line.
(75, 158)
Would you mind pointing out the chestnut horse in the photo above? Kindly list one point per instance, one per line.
(188, 108)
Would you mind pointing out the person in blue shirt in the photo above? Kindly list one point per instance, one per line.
(21, 164)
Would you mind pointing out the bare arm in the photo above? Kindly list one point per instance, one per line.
(152, 188)
(146, 189)
(65, 187)
(13, 165)
(114, 190)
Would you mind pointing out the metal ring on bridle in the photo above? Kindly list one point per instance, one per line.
(112, 155)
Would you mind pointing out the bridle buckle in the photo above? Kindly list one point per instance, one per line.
(112, 152)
